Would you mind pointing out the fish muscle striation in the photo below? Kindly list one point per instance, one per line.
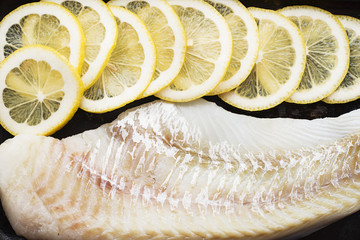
(183, 171)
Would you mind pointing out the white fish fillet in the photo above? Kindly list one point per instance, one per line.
(183, 171)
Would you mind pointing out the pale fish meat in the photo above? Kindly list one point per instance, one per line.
(183, 171)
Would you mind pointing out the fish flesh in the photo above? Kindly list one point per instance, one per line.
(183, 171)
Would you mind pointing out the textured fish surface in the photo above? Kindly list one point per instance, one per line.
(183, 171)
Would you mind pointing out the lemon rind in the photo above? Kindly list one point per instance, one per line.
(263, 103)
(108, 20)
(78, 47)
(167, 76)
(64, 113)
(248, 62)
(221, 64)
(320, 92)
(345, 95)
(109, 104)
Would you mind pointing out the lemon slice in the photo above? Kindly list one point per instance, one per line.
(168, 35)
(209, 51)
(279, 66)
(100, 31)
(130, 69)
(46, 24)
(40, 91)
(328, 53)
(349, 89)
(245, 43)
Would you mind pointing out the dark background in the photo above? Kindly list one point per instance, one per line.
(345, 229)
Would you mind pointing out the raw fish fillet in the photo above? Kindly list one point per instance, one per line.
(183, 171)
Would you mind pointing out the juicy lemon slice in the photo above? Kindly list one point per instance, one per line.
(349, 89)
(279, 66)
(245, 43)
(46, 24)
(209, 51)
(130, 69)
(100, 31)
(40, 91)
(327, 49)
(168, 35)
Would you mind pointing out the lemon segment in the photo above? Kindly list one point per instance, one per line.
(209, 51)
(328, 52)
(245, 43)
(168, 35)
(130, 69)
(40, 91)
(46, 24)
(279, 66)
(100, 31)
(349, 89)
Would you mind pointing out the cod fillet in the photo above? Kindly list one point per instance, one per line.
(183, 171)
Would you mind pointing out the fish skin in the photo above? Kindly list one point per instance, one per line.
(151, 174)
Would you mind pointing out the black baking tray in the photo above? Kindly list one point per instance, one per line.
(345, 229)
